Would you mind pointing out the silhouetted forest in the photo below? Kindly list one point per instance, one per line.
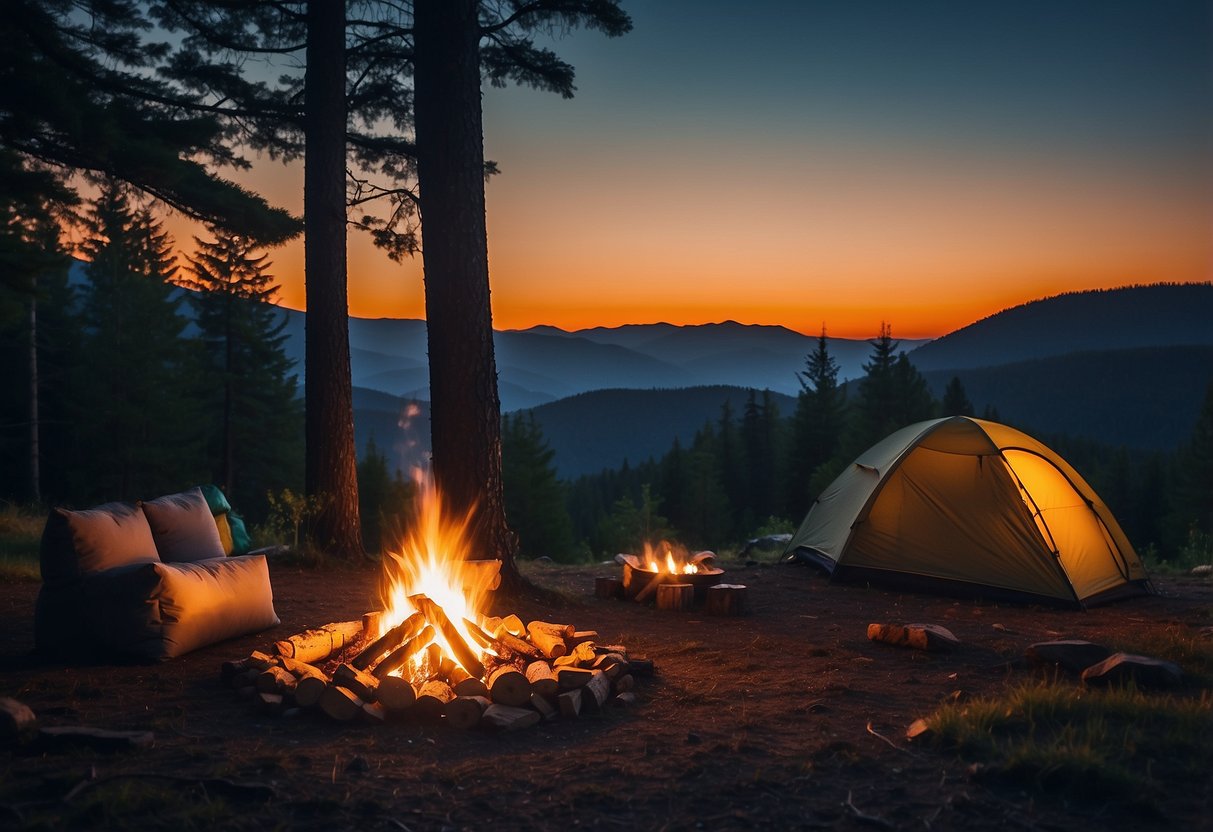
(143, 388)
(756, 470)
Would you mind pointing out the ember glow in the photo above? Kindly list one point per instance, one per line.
(433, 562)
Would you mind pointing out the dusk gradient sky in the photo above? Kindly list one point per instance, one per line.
(845, 162)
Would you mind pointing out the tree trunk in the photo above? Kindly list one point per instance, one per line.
(331, 464)
(35, 452)
(465, 410)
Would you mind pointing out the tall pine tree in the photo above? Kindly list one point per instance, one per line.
(249, 393)
(534, 498)
(135, 415)
(817, 425)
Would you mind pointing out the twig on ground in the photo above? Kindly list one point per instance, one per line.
(890, 743)
(864, 817)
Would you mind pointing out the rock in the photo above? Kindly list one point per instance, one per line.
(1202, 571)
(1205, 632)
(919, 729)
(766, 544)
(929, 637)
(1146, 672)
(1072, 654)
(17, 722)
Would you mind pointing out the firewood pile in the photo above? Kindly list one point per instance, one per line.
(513, 676)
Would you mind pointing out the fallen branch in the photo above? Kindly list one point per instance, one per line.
(890, 743)
(864, 817)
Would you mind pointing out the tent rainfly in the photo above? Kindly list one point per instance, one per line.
(969, 506)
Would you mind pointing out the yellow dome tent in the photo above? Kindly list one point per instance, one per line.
(970, 506)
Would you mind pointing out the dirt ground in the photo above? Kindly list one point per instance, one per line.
(787, 718)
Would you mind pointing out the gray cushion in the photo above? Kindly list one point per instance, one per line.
(183, 527)
(79, 543)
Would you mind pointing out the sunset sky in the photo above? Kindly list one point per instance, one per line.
(844, 162)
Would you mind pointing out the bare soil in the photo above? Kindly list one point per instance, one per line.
(787, 718)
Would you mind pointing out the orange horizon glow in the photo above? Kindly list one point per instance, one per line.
(850, 239)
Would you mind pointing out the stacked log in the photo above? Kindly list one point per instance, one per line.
(508, 675)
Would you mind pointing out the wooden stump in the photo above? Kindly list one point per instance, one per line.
(726, 599)
(675, 597)
(464, 712)
(608, 587)
(509, 687)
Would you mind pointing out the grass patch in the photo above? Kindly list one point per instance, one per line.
(1178, 644)
(1083, 743)
(20, 535)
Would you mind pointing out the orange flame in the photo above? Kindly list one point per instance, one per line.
(676, 559)
(432, 561)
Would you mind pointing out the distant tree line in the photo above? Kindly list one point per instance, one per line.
(758, 472)
(125, 386)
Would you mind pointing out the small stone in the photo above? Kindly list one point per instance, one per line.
(919, 728)
(358, 765)
(18, 724)
(1144, 671)
(693, 739)
(1072, 654)
(929, 637)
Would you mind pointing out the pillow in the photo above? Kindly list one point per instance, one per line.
(78, 543)
(203, 603)
(155, 611)
(183, 527)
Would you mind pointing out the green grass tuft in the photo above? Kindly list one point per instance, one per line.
(20, 535)
(1083, 743)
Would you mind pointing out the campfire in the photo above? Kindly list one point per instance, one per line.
(675, 579)
(433, 654)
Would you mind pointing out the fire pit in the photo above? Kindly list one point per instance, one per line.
(432, 654)
(674, 579)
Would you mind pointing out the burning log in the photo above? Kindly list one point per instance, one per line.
(509, 687)
(404, 652)
(356, 681)
(550, 644)
(432, 699)
(581, 637)
(544, 708)
(395, 694)
(674, 597)
(508, 718)
(394, 637)
(269, 703)
(562, 631)
(465, 712)
(543, 681)
(317, 645)
(513, 625)
(340, 704)
(256, 661)
(726, 599)
(517, 645)
(468, 685)
(309, 690)
(596, 691)
(438, 619)
(648, 589)
(274, 680)
(570, 703)
(568, 678)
